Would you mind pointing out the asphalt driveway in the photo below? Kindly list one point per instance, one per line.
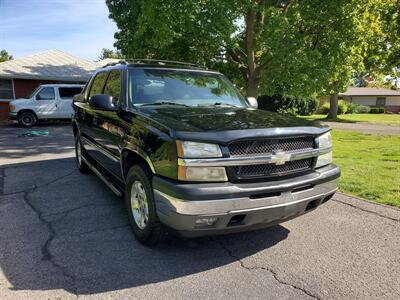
(64, 234)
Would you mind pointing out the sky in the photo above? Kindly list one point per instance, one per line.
(79, 27)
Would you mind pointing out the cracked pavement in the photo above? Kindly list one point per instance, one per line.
(64, 235)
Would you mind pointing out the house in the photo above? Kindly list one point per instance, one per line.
(373, 97)
(19, 77)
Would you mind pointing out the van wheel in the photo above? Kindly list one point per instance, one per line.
(79, 152)
(27, 119)
(139, 200)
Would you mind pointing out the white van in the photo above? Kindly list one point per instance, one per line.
(48, 101)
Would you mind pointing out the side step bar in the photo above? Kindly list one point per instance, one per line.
(110, 185)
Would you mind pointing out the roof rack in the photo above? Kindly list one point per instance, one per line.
(155, 61)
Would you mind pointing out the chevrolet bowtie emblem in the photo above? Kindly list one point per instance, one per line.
(279, 157)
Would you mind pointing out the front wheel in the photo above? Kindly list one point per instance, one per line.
(141, 208)
(27, 119)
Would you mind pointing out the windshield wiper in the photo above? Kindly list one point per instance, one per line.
(216, 104)
(163, 103)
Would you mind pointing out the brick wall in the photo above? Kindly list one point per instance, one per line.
(23, 87)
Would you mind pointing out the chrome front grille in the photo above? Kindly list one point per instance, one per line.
(253, 148)
(265, 147)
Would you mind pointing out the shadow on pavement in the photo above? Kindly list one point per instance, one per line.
(60, 229)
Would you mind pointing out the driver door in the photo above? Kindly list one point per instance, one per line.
(46, 103)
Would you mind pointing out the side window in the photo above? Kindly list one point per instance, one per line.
(46, 93)
(68, 93)
(97, 84)
(113, 86)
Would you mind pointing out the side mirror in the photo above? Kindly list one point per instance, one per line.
(102, 101)
(252, 102)
(37, 97)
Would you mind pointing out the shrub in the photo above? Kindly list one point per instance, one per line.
(288, 104)
(351, 108)
(377, 110)
(362, 109)
(324, 109)
(342, 107)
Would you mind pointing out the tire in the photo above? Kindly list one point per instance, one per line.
(149, 231)
(79, 153)
(27, 119)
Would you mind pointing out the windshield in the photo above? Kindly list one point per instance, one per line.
(181, 88)
(34, 92)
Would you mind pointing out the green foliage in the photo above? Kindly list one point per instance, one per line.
(377, 110)
(357, 109)
(289, 104)
(324, 109)
(351, 108)
(107, 53)
(362, 109)
(284, 47)
(4, 56)
(342, 108)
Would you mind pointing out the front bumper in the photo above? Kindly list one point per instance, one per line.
(241, 207)
(13, 115)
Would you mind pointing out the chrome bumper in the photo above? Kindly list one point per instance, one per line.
(234, 214)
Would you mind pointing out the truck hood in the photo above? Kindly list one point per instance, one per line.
(19, 101)
(227, 123)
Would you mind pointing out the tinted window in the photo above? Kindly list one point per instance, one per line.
(97, 85)
(46, 93)
(113, 86)
(69, 92)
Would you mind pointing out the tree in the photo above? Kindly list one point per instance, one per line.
(279, 46)
(4, 56)
(107, 53)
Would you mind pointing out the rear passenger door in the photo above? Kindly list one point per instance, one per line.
(64, 102)
(108, 129)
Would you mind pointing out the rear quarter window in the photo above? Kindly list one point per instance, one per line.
(69, 92)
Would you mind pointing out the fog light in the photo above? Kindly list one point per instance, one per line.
(204, 222)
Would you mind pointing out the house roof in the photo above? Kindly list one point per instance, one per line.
(48, 65)
(364, 91)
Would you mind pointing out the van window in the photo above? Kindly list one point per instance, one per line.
(97, 85)
(113, 86)
(69, 92)
(46, 93)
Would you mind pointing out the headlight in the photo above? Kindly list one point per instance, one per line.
(197, 150)
(12, 107)
(325, 141)
(202, 173)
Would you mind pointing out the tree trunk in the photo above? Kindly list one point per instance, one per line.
(333, 109)
(252, 86)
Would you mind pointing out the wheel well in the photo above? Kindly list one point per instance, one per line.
(130, 158)
(26, 110)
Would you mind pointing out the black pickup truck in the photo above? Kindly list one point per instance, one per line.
(193, 156)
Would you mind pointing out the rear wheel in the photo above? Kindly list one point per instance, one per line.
(141, 208)
(27, 119)
(79, 152)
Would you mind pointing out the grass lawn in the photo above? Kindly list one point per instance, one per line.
(370, 165)
(384, 119)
